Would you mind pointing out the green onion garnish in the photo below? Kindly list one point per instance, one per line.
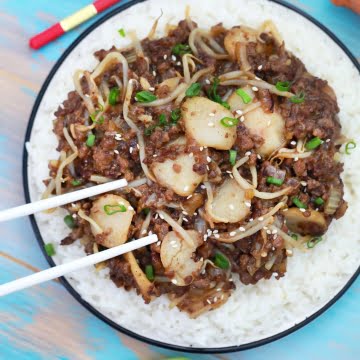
(69, 221)
(221, 261)
(175, 115)
(232, 156)
(149, 272)
(298, 99)
(193, 90)
(311, 243)
(90, 140)
(351, 145)
(229, 122)
(162, 120)
(149, 130)
(313, 143)
(213, 95)
(113, 95)
(245, 97)
(76, 182)
(319, 201)
(93, 116)
(145, 96)
(274, 181)
(297, 202)
(146, 211)
(294, 236)
(181, 49)
(122, 32)
(49, 249)
(283, 85)
(113, 209)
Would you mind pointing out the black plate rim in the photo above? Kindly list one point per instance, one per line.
(68, 286)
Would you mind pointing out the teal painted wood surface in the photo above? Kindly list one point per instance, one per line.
(46, 322)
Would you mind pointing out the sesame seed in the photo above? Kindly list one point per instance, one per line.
(202, 186)
(137, 145)
(161, 216)
(156, 216)
(211, 114)
(215, 299)
(257, 78)
(254, 88)
(184, 212)
(317, 209)
(174, 281)
(275, 273)
(231, 176)
(289, 252)
(296, 158)
(143, 232)
(302, 210)
(248, 204)
(248, 153)
(263, 254)
(273, 248)
(268, 232)
(265, 227)
(151, 88)
(191, 154)
(211, 124)
(154, 155)
(233, 233)
(207, 168)
(208, 158)
(208, 301)
(241, 228)
(260, 67)
(239, 112)
(251, 220)
(130, 150)
(218, 289)
(242, 118)
(165, 57)
(116, 151)
(173, 57)
(136, 99)
(286, 209)
(216, 236)
(274, 231)
(258, 156)
(130, 208)
(185, 219)
(327, 140)
(303, 183)
(186, 188)
(205, 237)
(178, 63)
(154, 73)
(215, 231)
(293, 143)
(74, 216)
(261, 218)
(158, 243)
(189, 197)
(201, 148)
(207, 81)
(73, 205)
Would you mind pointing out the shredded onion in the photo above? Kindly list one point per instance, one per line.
(289, 241)
(146, 223)
(334, 201)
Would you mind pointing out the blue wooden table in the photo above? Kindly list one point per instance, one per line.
(46, 322)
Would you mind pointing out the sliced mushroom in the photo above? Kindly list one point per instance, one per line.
(202, 123)
(269, 126)
(228, 205)
(114, 227)
(177, 175)
(235, 101)
(298, 222)
(144, 285)
(236, 35)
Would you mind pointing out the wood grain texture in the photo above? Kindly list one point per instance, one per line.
(46, 322)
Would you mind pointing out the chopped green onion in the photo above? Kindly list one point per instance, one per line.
(122, 32)
(162, 120)
(245, 97)
(149, 272)
(181, 49)
(221, 261)
(298, 99)
(311, 243)
(113, 95)
(297, 202)
(113, 209)
(229, 122)
(274, 181)
(232, 156)
(313, 143)
(175, 115)
(49, 249)
(90, 140)
(69, 221)
(146, 211)
(93, 116)
(76, 182)
(193, 90)
(351, 145)
(213, 95)
(319, 201)
(149, 130)
(294, 236)
(283, 85)
(145, 96)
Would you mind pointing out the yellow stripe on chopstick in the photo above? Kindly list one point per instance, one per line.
(79, 17)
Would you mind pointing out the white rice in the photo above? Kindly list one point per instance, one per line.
(253, 312)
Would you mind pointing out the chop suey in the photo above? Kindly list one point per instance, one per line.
(231, 151)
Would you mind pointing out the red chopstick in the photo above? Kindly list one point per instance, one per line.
(70, 22)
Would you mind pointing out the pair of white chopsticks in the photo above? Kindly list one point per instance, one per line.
(78, 264)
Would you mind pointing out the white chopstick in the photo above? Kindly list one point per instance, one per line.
(60, 200)
(75, 265)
